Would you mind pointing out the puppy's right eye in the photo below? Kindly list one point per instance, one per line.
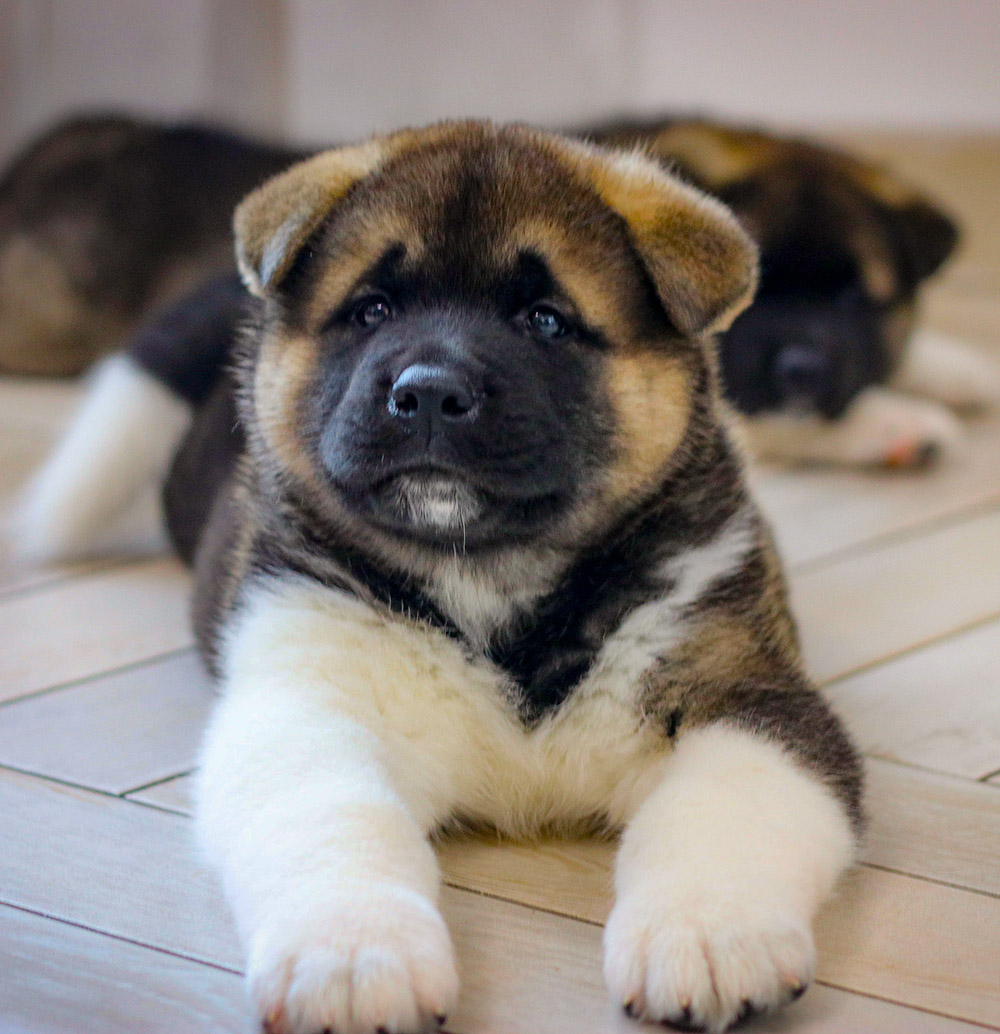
(372, 311)
(546, 322)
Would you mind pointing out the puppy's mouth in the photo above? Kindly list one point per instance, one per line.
(432, 500)
(444, 507)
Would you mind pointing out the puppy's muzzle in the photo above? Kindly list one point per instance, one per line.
(803, 373)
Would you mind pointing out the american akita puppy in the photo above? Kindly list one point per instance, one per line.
(480, 552)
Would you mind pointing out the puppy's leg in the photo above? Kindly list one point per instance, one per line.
(940, 367)
(324, 857)
(880, 428)
(718, 877)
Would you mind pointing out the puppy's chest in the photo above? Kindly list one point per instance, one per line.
(604, 627)
(514, 758)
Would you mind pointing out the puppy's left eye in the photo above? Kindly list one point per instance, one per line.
(546, 322)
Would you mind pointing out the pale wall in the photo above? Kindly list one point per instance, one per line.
(326, 69)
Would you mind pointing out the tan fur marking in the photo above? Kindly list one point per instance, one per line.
(881, 182)
(340, 277)
(274, 222)
(897, 328)
(651, 398)
(590, 282)
(285, 368)
(720, 155)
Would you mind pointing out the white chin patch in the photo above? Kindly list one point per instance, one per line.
(437, 502)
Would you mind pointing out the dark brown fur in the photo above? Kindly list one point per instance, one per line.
(107, 218)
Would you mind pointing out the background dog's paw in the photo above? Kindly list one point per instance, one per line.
(884, 429)
(376, 959)
(879, 429)
(940, 367)
(704, 969)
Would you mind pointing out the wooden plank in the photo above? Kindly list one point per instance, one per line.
(528, 971)
(110, 865)
(938, 707)
(115, 866)
(816, 513)
(860, 609)
(886, 935)
(92, 624)
(116, 732)
(937, 946)
(969, 313)
(937, 826)
(16, 577)
(59, 978)
(175, 794)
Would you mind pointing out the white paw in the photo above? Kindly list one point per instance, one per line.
(951, 371)
(371, 959)
(705, 966)
(887, 429)
(880, 428)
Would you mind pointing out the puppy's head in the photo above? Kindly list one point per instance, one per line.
(845, 247)
(477, 335)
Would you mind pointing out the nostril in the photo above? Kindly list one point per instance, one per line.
(452, 405)
(405, 403)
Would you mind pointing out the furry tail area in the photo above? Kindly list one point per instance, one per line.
(99, 491)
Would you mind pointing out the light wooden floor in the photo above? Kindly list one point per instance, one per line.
(108, 923)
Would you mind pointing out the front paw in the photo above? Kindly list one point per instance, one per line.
(375, 959)
(707, 966)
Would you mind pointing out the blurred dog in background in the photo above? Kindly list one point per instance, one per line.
(110, 226)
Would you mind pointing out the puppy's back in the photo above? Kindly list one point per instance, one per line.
(106, 218)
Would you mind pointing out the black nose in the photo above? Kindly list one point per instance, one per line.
(803, 372)
(432, 395)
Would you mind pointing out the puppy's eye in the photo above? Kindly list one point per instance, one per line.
(544, 321)
(370, 312)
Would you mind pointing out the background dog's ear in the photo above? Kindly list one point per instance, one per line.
(275, 221)
(702, 263)
(924, 238)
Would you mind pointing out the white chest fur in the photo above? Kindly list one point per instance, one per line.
(449, 728)
(448, 723)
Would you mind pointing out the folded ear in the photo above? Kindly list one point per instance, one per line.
(274, 222)
(702, 263)
(924, 238)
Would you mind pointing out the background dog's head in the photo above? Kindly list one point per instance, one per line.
(477, 334)
(844, 247)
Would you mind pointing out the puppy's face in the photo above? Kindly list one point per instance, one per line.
(815, 336)
(844, 250)
(476, 335)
